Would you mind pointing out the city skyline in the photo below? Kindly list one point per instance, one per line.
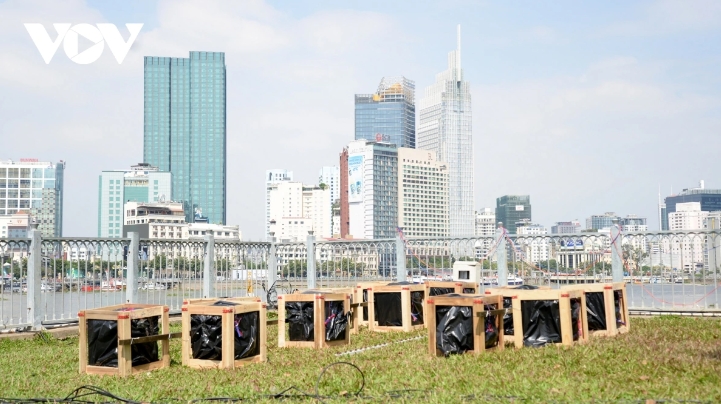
(617, 92)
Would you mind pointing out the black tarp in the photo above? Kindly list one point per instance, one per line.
(617, 305)
(103, 341)
(596, 311)
(541, 322)
(507, 304)
(575, 318)
(469, 290)
(299, 316)
(436, 291)
(388, 309)
(336, 321)
(454, 329)
(206, 334)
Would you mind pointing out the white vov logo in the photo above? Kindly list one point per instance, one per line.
(104, 33)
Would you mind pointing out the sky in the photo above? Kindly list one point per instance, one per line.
(588, 107)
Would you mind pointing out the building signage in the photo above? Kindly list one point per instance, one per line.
(355, 178)
(519, 207)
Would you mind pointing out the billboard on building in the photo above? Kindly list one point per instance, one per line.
(519, 207)
(355, 178)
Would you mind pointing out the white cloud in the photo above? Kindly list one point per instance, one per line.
(664, 17)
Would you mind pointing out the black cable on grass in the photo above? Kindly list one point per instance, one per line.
(84, 391)
(363, 378)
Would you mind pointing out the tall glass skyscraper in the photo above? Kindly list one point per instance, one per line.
(185, 129)
(388, 115)
(445, 127)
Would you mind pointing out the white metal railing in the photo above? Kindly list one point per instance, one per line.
(47, 281)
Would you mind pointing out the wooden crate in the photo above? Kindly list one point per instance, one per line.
(362, 288)
(432, 287)
(406, 313)
(227, 313)
(564, 298)
(507, 292)
(478, 305)
(319, 301)
(244, 299)
(353, 323)
(620, 321)
(124, 314)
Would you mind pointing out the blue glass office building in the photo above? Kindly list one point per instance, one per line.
(185, 129)
(389, 115)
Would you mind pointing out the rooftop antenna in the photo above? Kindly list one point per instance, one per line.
(458, 49)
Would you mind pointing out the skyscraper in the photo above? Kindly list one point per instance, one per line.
(511, 209)
(710, 200)
(389, 114)
(35, 187)
(273, 177)
(185, 129)
(445, 128)
(142, 183)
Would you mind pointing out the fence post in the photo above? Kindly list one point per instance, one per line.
(272, 262)
(502, 256)
(616, 259)
(131, 281)
(310, 250)
(35, 260)
(401, 272)
(209, 267)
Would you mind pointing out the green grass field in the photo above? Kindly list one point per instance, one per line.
(668, 358)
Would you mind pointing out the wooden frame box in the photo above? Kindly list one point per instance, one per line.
(244, 299)
(360, 288)
(318, 301)
(227, 313)
(458, 287)
(507, 292)
(564, 298)
(406, 312)
(124, 314)
(478, 305)
(610, 292)
(354, 325)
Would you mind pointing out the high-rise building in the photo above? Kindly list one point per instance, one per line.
(532, 249)
(573, 226)
(422, 194)
(273, 177)
(445, 128)
(511, 209)
(486, 229)
(142, 183)
(185, 129)
(295, 210)
(686, 252)
(709, 200)
(372, 178)
(329, 177)
(389, 114)
(36, 187)
(596, 222)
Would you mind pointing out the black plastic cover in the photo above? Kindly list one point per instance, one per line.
(336, 322)
(507, 304)
(388, 309)
(441, 291)
(541, 322)
(575, 318)
(417, 307)
(596, 311)
(206, 334)
(103, 341)
(454, 329)
(365, 309)
(299, 316)
(469, 290)
(617, 304)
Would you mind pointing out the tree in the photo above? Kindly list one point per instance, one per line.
(295, 268)
(323, 186)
